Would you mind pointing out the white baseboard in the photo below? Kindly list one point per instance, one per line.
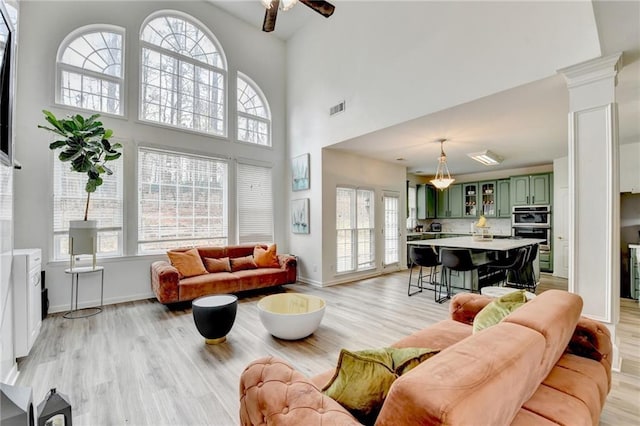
(109, 301)
(309, 281)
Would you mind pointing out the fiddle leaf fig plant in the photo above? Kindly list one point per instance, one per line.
(85, 146)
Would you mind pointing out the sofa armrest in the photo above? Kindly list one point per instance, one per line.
(164, 281)
(464, 306)
(591, 339)
(289, 264)
(272, 392)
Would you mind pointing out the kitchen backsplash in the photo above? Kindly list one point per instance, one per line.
(463, 226)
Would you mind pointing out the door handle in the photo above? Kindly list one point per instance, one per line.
(559, 237)
(533, 199)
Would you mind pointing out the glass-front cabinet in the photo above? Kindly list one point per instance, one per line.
(488, 193)
(471, 197)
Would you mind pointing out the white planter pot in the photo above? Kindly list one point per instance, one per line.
(83, 236)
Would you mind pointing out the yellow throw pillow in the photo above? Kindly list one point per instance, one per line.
(188, 263)
(363, 378)
(217, 265)
(266, 258)
(498, 309)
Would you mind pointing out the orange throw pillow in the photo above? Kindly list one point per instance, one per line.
(242, 263)
(188, 263)
(217, 265)
(266, 258)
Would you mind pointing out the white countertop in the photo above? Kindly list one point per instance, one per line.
(633, 246)
(410, 234)
(502, 244)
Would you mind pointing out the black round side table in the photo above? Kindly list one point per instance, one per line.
(214, 316)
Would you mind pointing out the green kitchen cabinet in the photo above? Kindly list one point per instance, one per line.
(531, 189)
(449, 203)
(503, 198)
(470, 200)
(426, 201)
(488, 196)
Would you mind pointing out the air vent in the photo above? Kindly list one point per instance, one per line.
(337, 108)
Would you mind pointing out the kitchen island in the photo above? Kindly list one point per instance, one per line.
(483, 252)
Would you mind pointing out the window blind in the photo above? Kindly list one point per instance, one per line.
(255, 203)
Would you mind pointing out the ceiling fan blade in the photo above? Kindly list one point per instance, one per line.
(270, 16)
(324, 8)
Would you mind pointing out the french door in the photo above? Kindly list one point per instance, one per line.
(391, 230)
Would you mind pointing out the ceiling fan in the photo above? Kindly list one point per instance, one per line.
(322, 7)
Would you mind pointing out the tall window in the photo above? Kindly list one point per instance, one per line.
(182, 200)
(106, 206)
(182, 75)
(91, 69)
(255, 204)
(355, 229)
(254, 117)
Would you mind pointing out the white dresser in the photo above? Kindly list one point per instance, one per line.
(27, 301)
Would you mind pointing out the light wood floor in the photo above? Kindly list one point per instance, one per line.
(141, 364)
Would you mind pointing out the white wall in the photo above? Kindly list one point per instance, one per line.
(630, 168)
(44, 25)
(340, 168)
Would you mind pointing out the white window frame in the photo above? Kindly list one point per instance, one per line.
(185, 59)
(355, 230)
(182, 241)
(391, 234)
(61, 67)
(118, 175)
(266, 120)
(241, 196)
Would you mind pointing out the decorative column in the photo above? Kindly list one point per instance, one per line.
(594, 197)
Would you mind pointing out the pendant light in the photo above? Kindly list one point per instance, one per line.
(442, 181)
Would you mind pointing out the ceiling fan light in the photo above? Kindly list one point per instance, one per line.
(284, 4)
(287, 4)
(486, 157)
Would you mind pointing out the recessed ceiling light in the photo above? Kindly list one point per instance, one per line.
(486, 157)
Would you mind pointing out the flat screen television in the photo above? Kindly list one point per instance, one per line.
(6, 90)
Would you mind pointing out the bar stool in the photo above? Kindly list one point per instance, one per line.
(453, 260)
(527, 278)
(512, 264)
(423, 257)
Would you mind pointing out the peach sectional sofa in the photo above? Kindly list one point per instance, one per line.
(170, 287)
(543, 364)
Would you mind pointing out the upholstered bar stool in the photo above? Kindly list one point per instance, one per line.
(423, 257)
(452, 260)
(513, 264)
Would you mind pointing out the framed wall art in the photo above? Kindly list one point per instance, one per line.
(300, 172)
(300, 216)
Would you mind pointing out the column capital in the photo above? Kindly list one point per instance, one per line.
(592, 70)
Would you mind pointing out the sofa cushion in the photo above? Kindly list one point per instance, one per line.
(188, 263)
(440, 335)
(202, 285)
(554, 314)
(498, 309)
(266, 258)
(258, 278)
(214, 265)
(213, 252)
(242, 263)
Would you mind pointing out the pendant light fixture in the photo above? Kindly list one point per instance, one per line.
(443, 179)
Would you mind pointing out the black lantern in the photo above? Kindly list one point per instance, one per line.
(55, 410)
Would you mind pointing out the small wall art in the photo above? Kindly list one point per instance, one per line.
(300, 216)
(300, 172)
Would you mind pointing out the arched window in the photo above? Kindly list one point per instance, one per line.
(254, 116)
(183, 73)
(91, 68)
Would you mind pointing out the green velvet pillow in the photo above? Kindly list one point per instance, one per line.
(498, 309)
(363, 378)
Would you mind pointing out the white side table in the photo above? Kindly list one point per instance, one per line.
(495, 291)
(75, 278)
